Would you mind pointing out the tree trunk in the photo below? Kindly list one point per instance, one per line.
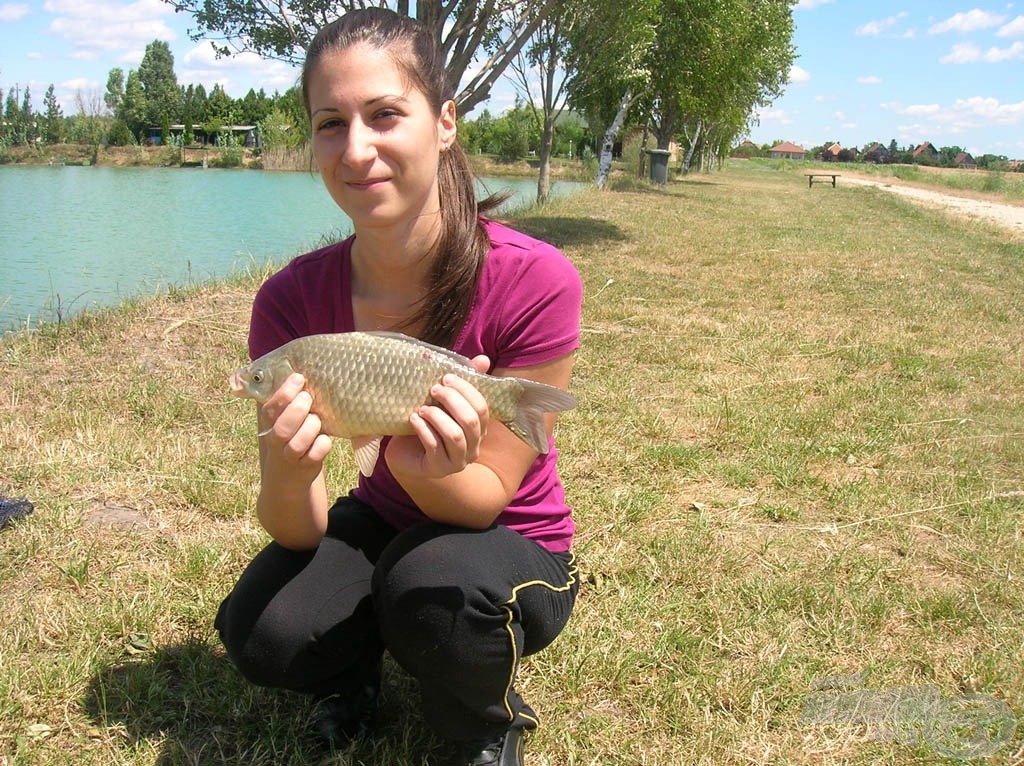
(642, 169)
(546, 142)
(604, 167)
(693, 146)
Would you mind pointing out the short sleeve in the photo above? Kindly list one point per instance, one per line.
(527, 307)
(310, 295)
(541, 313)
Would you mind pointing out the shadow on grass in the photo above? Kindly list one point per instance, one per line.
(563, 231)
(191, 703)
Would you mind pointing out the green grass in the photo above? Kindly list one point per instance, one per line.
(798, 456)
(1005, 186)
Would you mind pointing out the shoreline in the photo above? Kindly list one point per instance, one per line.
(293, 160)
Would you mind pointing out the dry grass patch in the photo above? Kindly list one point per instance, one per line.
(797, 458)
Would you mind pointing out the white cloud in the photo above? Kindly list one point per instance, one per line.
(969, 53)
(962, 53)
(78, 84)
(998, 55)
(968, 22)
(965, 114)
(105, 25)
(12, 11)
(776, 117)
(879, 28)
(201, 64)
(799, 75)
(918, 110)
(869, 80)
(1014, 29)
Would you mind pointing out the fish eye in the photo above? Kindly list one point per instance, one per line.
(257, 376)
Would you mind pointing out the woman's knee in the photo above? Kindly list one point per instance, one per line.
(424, 593)
(262, 650)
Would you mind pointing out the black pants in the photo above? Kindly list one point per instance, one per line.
(457, 609)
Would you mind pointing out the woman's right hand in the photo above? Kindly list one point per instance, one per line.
(292, 504)
(290, 434)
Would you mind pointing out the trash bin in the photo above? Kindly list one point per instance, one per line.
(659, 165)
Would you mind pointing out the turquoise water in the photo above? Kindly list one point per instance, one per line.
(75, 238)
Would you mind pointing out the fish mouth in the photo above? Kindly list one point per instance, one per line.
(236, 383)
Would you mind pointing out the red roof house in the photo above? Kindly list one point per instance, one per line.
(788, 151)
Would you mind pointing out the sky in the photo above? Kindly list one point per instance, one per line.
(947, 72)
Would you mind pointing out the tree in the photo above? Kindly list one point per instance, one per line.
(133, 109)
(278, 130)
(53, 118)
(948, 156)
(469, 31)
(200, 104)
(545, 54)
(712, 64)
(19, 121)
(511, 133)
(115, 90)
(88, 126)
(188, 115)
(254, 108)
(220, 106)
(156, 74)
(13, 125)
(608, 59)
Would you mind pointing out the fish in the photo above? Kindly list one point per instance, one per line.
(365, 385)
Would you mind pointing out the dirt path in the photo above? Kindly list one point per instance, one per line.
(1010, 217)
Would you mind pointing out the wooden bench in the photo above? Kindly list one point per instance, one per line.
(821, 178)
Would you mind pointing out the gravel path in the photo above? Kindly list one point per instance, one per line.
(1010, 217)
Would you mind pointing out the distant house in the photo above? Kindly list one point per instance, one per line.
(876, 154)
(965, 160)
(926, 152)
(831, 154)
(787, 151)
(246, 135)
(746, 150)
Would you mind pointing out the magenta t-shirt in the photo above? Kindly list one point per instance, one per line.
(526, 311)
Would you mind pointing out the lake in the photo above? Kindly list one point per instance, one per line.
(74, 238)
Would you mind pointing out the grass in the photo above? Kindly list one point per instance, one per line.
(996, 185)
(796, 462)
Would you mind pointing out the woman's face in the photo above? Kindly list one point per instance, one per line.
(376, 139)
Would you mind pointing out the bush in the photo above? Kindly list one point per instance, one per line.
(119, 134)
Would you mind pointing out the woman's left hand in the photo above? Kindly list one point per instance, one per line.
(447, 434)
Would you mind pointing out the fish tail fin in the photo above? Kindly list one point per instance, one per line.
(538, 398)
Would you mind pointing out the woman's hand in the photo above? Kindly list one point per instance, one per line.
(290, 433)
(447, 435)
(292, 504)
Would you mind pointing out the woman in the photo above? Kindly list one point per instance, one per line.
(454, 554)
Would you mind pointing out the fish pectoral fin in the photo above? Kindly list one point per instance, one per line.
(366, 448)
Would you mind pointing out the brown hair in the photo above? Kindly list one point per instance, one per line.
(463, 244)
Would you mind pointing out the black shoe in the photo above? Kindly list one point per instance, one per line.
(340, 719)
(506, 751)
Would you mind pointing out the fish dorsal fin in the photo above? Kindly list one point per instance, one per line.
(397, 336)
(366, 448)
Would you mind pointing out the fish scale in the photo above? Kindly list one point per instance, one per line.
(367, 384)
